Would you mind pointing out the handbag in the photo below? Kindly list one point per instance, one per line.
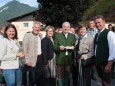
(89, 61)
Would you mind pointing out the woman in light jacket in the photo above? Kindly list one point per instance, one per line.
(9, 56)
(84, 51)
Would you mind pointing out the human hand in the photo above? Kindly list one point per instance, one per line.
(20, 55)
(28, 63)
(108, 67)
(61, 47)
(82, 57)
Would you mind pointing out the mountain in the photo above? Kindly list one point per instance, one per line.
(13, 9)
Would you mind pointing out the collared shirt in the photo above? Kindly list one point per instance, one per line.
(111, 44)
(92, 32)
(39, 46)
(85, 35)
(65, 35)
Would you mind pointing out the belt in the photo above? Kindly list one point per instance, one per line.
(39, 55)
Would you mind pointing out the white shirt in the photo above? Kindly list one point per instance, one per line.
(111, 44)
(66, 35)
(1, 37)
(85, 35)
(39, 46)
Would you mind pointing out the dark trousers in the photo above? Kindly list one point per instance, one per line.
(28, 76)
(75, 75)
(33, 75)
(87, 75)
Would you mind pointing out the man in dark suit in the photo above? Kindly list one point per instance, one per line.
(63, 46)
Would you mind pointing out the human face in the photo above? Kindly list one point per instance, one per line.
(100, 24)
(91, 24)
(36, 29)
(3, 29)
(72, 30)
(49, 32)
(66, 27)
(110, 27)
(10, 33)
(82, 31)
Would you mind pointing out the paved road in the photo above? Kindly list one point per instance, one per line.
(98, 82)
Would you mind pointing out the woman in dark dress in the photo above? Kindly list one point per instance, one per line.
(47, 51)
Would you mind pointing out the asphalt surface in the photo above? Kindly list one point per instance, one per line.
(98, 81)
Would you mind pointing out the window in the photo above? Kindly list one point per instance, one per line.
(25, 24)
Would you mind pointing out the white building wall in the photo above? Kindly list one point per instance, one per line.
(22, 30)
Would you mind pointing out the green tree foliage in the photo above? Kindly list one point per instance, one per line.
(55, 12)
(102, 7)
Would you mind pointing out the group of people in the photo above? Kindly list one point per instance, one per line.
(58, 55)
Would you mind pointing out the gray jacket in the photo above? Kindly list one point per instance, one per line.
(30, 46)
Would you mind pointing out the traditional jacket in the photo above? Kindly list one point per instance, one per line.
(8, 51)
(1, 34)
(30, 46)
(60, 39)
(101, 47)
(86, 47)
(47, 49)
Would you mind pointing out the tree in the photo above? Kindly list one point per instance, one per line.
(55, 12)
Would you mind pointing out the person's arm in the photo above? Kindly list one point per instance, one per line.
(56, 44)
(26, 48)
(44, 47)
(111, 44)
(51, 51)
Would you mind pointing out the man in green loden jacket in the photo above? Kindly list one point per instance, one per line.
(63, 46)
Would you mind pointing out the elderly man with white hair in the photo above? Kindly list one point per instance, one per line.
(63, 46)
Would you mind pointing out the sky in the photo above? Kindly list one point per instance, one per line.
(32, 3)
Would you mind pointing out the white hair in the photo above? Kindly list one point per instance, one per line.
(66, 23)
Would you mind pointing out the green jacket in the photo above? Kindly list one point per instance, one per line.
(61, 40)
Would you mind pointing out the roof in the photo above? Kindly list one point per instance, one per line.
(24, 15)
